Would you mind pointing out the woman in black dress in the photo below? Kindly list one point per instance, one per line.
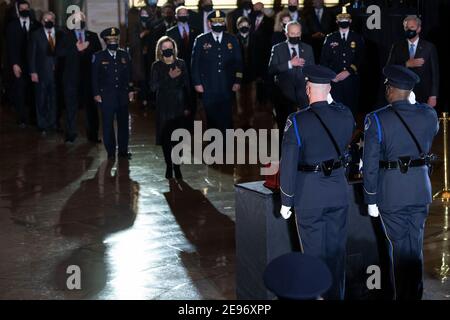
(170, 82)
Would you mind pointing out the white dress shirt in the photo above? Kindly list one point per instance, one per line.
(319, 13)
(52, 31)
(296, 47)
(217, 36)
(27, 23)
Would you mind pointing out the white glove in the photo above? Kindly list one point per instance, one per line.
(285, 212)
(373, 210)
(330, 99)
(412, 97)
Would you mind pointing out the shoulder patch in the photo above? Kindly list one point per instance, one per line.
(288, 125)
(367, 123)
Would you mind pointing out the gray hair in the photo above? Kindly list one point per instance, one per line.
(49, 13)
(292, 23)
(412, 17)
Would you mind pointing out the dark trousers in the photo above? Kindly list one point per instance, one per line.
(46, 108)
(166, 138)
(111, 112)
(347, 92)
(404, 228)
(22, 97)
(323, 235)
(219, 112)
(74, 99)
(283, 108)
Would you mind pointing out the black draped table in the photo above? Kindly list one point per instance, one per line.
(262, 235)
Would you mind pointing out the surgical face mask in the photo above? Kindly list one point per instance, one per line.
(152, 3)
(112, 46)
(218, 28)
(167, 53)
(294, 40)
(49, 24)
(410, 34)
(344, 24)
(183, 19)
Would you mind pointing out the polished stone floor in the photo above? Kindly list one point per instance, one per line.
(133, 234)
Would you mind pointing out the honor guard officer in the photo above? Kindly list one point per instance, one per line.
(397, 187)
(217, 71)
(112, 91)
(312, 176)
(343, 52)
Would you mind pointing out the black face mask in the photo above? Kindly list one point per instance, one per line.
(183, 19)
(112, 46)
(344, 24)
(48, 24)
(257, 13)
(24, 13)
(144, 19)
(292, 8)
(167, 53)
(207, 7)
(218, 29)
(247, 6)
(410, 34)
(168, 19)
(244, 29)
(294, 40)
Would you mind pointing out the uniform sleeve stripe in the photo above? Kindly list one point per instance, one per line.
(297, 134)
(380, 139)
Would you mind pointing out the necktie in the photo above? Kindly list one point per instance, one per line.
(294, 53)
(51, 41)
(217, 40)
(343, 37)
(412, 51)
(80, 37)
(258, 22)
(24, 27)
(185, 38)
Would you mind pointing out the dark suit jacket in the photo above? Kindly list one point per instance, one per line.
(197, 20)
(428, 73)
(260, 46)
(290, 81)
(184, 53)
(312, 24)
(17, 42)
(77, 65)
(41, 59)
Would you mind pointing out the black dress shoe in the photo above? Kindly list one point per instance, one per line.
(169, 172)
(178, 174)
(126, 155)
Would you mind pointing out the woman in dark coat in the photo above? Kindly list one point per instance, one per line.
(170, 82)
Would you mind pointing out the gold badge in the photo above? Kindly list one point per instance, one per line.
(230, 46)
(353, 45)
(105, 62)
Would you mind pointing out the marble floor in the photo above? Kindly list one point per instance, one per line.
(133, 234)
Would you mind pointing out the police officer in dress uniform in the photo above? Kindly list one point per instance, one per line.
(112, 89)
(343, 53)
(312, 174)
(217, 71)
(397, 186)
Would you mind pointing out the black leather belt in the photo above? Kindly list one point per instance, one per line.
(326, 166)
(397, 164)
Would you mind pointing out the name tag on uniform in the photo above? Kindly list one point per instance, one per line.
(230, 46)
(124, 61)
(353, 45)
(105, 62)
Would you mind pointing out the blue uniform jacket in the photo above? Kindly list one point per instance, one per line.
(306, 142)
(111, 78)
(216, 66)
(386, 139)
